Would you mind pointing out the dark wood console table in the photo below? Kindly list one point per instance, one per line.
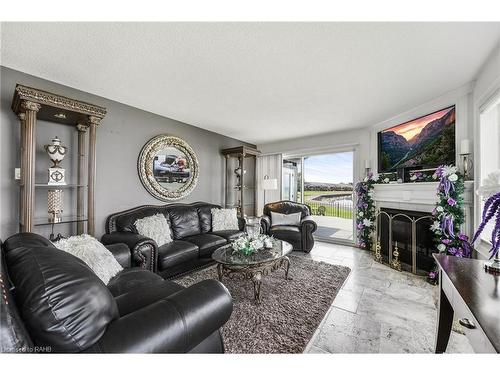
(467, 290)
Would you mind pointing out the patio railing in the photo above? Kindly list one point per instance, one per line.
(341, 207)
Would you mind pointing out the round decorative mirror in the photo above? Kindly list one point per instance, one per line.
(168, 168)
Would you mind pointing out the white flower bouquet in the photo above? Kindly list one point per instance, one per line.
(249, 245)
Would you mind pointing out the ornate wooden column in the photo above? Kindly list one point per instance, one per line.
(93, 123)
(80, 190)
(28, 163)
(22, 211)
(242, 186)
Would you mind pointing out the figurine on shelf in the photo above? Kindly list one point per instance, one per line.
(239, 177)
(56, 153)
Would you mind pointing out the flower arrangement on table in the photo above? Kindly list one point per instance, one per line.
(366, 210)
(249, 245)
(449, 215)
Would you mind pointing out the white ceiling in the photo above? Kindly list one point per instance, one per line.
(258, 82)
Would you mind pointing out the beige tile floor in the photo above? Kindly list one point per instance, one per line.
(377, 310)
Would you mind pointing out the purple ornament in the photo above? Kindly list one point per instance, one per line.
(452, 202)
(491, 209)
(447, 226)
(439, 171)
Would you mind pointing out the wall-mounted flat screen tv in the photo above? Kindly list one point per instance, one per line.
(425, 142)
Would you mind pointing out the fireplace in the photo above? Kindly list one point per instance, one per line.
(410, 232)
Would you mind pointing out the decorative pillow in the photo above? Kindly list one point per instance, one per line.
(224, 219)
(284, 219)
(155, 227)
(93, 253)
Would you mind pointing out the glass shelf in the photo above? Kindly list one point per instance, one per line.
(65, 219)
(237, 187)
(67, 186)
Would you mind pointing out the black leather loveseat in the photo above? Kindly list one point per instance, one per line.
(301, 236)
(52, 302)
(191, 229)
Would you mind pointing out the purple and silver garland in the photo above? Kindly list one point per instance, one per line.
(491, 209)
(366, 211)
(449, 215)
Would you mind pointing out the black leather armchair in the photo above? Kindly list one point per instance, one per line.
(301, 237)
(52, 302)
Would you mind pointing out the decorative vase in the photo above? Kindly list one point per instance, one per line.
(252, 227)
(56, 153)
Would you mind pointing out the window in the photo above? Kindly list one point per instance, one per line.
(489, 150)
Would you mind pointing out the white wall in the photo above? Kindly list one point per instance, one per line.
(487, 85)
(488, 78)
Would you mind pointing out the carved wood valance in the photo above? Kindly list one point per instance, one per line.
(53, 104)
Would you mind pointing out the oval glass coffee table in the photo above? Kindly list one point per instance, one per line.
(252, 267)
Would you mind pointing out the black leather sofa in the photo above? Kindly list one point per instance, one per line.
(52, 302)
(191, 229)
(301, 237)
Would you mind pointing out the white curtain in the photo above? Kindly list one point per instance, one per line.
(268, 165)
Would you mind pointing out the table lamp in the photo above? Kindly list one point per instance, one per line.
(269, 184)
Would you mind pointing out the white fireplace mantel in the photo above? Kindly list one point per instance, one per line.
(420, 196)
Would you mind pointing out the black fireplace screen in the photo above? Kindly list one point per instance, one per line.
(403, 228)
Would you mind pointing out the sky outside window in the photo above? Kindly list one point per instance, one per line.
(329, 168)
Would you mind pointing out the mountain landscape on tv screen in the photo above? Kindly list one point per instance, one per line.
(419, 143)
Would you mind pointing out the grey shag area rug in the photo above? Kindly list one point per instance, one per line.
(290, 310)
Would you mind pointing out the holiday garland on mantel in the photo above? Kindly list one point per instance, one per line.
(366, 211)
(449, 216)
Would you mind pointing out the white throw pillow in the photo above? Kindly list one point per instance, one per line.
(93, 253)
(155, 227)
(284, 219)
(224, 219)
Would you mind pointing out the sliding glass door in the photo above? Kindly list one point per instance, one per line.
(325, 183)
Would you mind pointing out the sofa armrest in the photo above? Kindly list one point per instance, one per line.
(175, 324)
(309, 224)
(121, 252)
(142, 249)
(241, 223)
(307, 228)
(265, 224)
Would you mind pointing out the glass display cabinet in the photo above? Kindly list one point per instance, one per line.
(80, 120)
(240, 179)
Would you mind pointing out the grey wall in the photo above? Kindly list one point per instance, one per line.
(120, 138)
